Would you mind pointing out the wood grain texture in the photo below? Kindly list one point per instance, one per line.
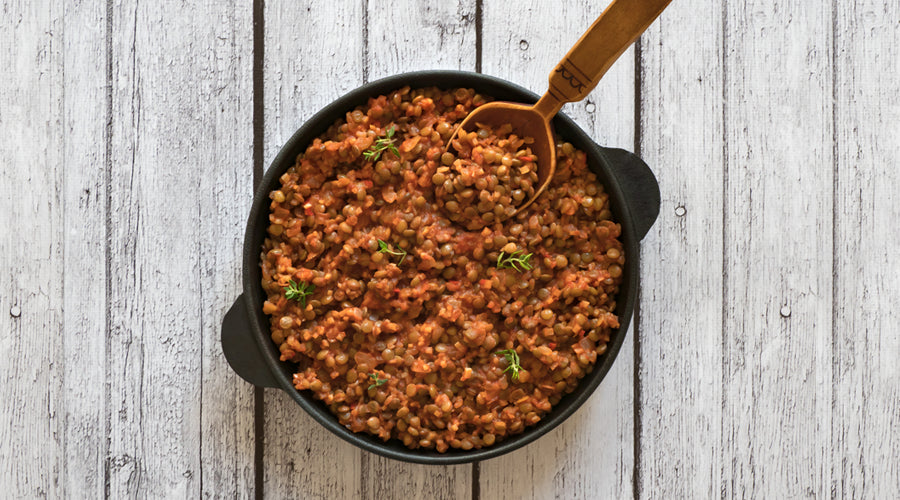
(302, 459)
(222, 84)
(85, 202)
(31, 250)
(591, 454)
(680, 325)
(777, 325)
(181, 172)
(434, 35)
(414, 35)
(313, 55)
(866, 420)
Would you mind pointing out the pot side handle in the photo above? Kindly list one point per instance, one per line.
(639, 186)
(241, 350)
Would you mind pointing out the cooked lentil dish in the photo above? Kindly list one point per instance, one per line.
(410, 326)
(488, 178)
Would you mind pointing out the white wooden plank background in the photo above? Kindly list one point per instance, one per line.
(83, 414)
(763, 360)
(680, 329)
(32, 259)
(865, 386)
(179, 422)
(777, 308)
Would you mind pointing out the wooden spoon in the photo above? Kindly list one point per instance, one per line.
(571, 81)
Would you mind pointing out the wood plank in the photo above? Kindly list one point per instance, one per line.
(181, 158)
(866, 422)
(302, 459)
(777, 329)
(680, 349)
(591, 454)
(85, 203)
(313, 54)
(414, 35)
(223, 198)
(436, 35)
(31, 250)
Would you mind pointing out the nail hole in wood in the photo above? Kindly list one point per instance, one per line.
(785, 311)
(680, 211)
(523, 44)
(590, 107)
(15, 311)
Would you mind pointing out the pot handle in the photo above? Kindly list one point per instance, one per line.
(241, 350)
(639, 186)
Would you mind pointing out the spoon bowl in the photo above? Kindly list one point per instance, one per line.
(526, 122)
(572, 80)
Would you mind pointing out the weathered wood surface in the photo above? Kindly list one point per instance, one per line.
(865, 425)
(763, 358)
(779, 390)
(31, 253)
(85, 204)
(181, 146)
(680, 374)
(591, 454)
(777, 325)
(127, 139)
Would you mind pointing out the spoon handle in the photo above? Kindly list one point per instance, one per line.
(596, 51)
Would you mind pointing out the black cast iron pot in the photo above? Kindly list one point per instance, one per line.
(634, 200)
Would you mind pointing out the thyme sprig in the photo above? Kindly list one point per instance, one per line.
(378, 382)
(384, 247)
(298, 291)
(514, 260)
(381, 145)
(512, 363)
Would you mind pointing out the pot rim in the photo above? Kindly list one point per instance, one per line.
(258, 220)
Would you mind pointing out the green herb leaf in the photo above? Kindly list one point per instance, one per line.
(512, 363)
(378, 381)
(298, 291)
(384, 247)
(381, 145)
(514, 260)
